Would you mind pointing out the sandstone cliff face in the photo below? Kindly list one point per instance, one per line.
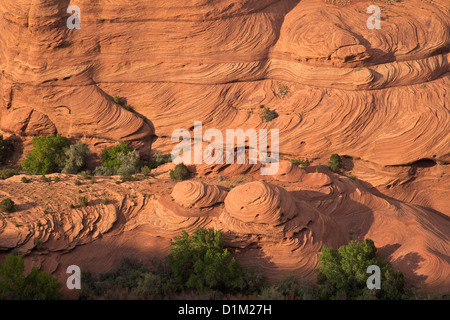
(351, 89)
(378, 95)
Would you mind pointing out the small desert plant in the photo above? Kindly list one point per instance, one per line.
(45, 179)
(335, 162)
(282, 90)
(77, 182)
(111, 156)
(57, 179)
(7, 205)
(158, 159)
(83, 201)
(25, 180)
(129, 163)
(8, 173)
(340, 2)
(269, 115)
(300, 162)
(180, 172)
(105, 201)
(76, 156)
(145, 170)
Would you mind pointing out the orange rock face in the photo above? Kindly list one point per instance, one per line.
(379, 96)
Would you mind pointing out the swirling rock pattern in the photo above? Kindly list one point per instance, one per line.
(380, 96)
(197, 194)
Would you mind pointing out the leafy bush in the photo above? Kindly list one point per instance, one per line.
(300, 162)
(6, 149)
(122, 102)
(111, 156)
(180, 172)
(76, 156)
(129, 163)
(83, 201)
(159, 158)
(45, 179)
(37, 285)
(7, 205)
(48, 155)
(282, 90)
(340, 2)
(102, 171)
(25, 180)
(77, 182)
(8, 173)
(200, 261)
(335, 162)
(342, 273)
(269, 115)
(145, 170)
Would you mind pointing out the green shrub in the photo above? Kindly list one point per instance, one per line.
(77, 182)
(83, 201)
(6, 149)
(200, 261)
(57, 179)
(282, 90)
(159, 158)
(130, 163)
(111, 156)
(25, 180)
(335, 162)
(103, 171)
(45, 179)
(37, 285)
(84, 175)
(105, 201)
(180, 172)
(122, 102)
(48, 155)
(8, 173)
(76, 156)
(342, 273)
(300, 162)
(7, 205)
(145, 170)
(340, 2)
(269, 115)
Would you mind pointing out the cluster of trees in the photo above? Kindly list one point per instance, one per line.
(37, 285)
(200, 265)
(56, 153)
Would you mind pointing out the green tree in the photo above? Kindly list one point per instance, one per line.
(200, 261)
(335, 162)
(111, 156)
(76, 156)
(37, 285)
(180, 172)
(7, 205)
(342, 273)
(48, 155)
